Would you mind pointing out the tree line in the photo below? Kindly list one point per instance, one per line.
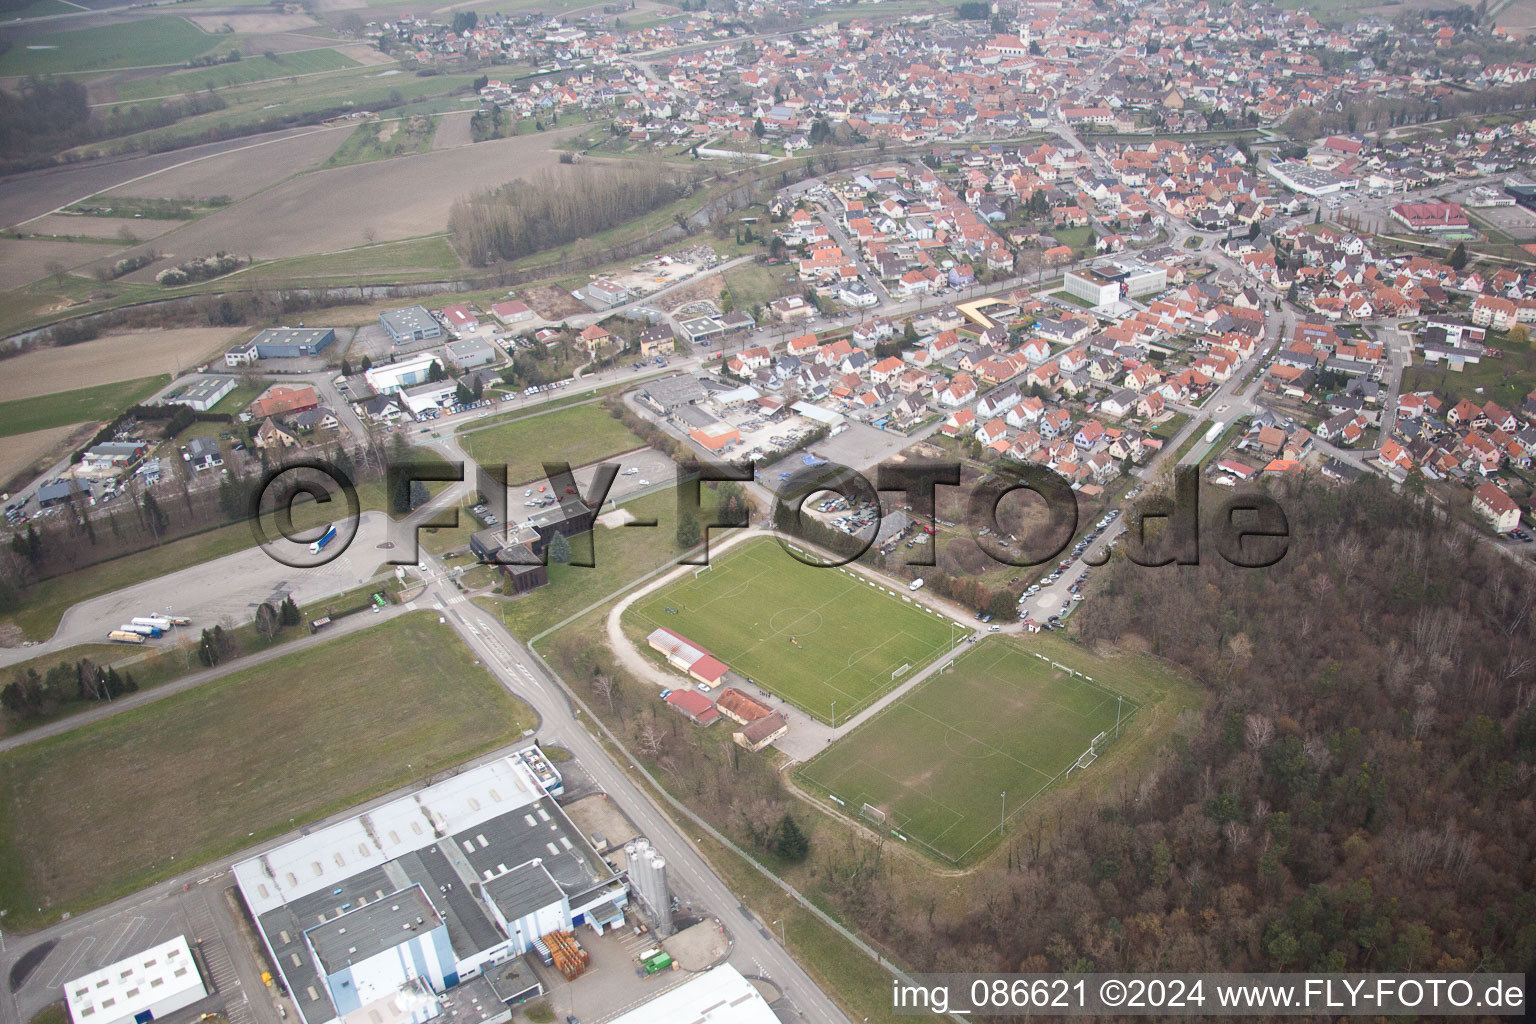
(31, 694)
(1353, 795)
(528, 216)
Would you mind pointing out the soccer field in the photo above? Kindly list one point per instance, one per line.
(810, 635)
(936, 763)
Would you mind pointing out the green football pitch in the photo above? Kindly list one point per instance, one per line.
(934, 766)
(812, 635)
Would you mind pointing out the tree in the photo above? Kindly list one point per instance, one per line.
(759, 129)
(419, 494)
(1519, 334)
(400, 500)
(346, 367)
(154, 517)
(791, 843)
(1458, 260)
(559, 549)
(267, 620)
(288, 612)
(687, 531)
(464, 21)
(436, 374)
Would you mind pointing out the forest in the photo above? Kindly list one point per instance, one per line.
(1353, 796)
(526, 216)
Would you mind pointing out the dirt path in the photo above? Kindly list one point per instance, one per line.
(452, 129)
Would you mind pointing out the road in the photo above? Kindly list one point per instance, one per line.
(560, 722)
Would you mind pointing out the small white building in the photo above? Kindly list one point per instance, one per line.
(391, 377)
(143, 987)
(424, 397)
(201, 393)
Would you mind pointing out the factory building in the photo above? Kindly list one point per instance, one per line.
(382, 915)
(139, 989)
(281, 343)
(413, 323)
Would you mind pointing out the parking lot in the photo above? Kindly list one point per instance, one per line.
(200, 912)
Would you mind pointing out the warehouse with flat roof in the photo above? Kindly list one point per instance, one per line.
(201, 393)
(139, 988)
(389, 910)
(413, 323)
(281, 343)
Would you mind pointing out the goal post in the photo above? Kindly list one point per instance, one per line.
(874, 813)
(901, 669)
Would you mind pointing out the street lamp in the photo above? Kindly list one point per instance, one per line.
(834, 716)
(783, 936)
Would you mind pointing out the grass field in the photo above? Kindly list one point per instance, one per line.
(752, 285)
(100, 811)
(240, 72)
(381, 140)
(578, 435)
(96, 404)
(810, 635)
(936, 763)
(143, 43)
(620, 556)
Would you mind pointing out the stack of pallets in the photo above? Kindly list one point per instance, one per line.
(571, 960)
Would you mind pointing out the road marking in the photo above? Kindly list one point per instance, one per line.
(129, 930)
(66, 967)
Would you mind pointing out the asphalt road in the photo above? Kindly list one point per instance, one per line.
(525, 678)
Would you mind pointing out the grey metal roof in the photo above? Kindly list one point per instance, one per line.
(522, 890)
(368, 930)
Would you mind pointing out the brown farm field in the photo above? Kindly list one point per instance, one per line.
(23, 261)
(253, 23)
(142, 228)
(241, 171)
(107, 360)
(21, 450)
(344, 207)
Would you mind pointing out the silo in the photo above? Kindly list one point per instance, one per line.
(648, 880)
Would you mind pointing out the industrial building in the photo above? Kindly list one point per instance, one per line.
(1308, 180)
(720, 996)
(392, 377)
(201, 393)
(468, 353)
(138, 989)
(424, 397)
(281, 343)
(381, 916)
(413, 323)
(1431, 217)
(1108, 282)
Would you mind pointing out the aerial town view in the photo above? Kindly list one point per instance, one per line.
(766, 511)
